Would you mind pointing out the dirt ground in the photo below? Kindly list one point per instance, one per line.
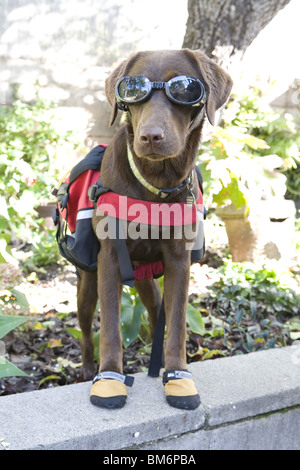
(48, 353)
(47, 347)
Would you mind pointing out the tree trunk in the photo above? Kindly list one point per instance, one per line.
(223, 29)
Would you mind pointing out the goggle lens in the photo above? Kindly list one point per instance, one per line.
(133, 88)
(185, 89)
(182, 90)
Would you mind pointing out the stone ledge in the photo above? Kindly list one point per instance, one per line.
(249, 401)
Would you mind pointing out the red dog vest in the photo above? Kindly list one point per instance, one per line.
(81, 245)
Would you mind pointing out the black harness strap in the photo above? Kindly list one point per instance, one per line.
(157, 353)
(125, 264)
(124, 260)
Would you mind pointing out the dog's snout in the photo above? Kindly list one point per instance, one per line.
(151, 136)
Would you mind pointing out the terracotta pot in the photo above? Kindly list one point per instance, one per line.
(267, 232)
(46, 212)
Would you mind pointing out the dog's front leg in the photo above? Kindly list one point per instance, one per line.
(179, 386)
(109, 291)
(176, 284)
(108, 389)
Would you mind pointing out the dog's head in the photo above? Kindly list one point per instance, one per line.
(161, 126)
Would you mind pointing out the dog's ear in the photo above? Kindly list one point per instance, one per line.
(110, 90)
(111, 82)
(217, 82)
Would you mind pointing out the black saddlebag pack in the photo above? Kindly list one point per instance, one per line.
(76, 239)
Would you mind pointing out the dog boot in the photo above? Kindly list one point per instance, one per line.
(109, 389)
(180, 389)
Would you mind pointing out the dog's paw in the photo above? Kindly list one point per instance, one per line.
(180, 389)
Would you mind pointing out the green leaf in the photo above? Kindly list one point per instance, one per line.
(131, 327)
(253, 307)
(96, 340)
(20, 298)
(5, 257)
(131, 318)
(232, 193)
(7, 369)
(3, 223)
(254, 142)
(9, 322)
(77, 334)
(250, 340)
(194, 320)
(239, 315)
(3, 208)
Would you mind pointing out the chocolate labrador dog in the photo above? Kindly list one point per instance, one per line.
(166, 96)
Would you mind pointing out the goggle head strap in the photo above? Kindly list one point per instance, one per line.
(122, 106)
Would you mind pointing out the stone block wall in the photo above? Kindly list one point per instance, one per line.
(69, 47)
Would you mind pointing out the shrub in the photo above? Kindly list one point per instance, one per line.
(28, 170)
(252, 308)
(257, 147)
(10, 297)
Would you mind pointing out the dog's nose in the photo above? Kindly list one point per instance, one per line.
(152, 136)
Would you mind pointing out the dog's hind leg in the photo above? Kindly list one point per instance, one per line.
(150, 294)
(87, 297)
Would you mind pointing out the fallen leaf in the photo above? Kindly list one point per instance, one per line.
(38, 326)
(196, 356)
(54, 343)
(213, 353)
(295, 335)
(49, 377)
(67, 363)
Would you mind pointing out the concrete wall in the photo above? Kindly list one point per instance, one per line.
(69, 47)
(249, 402)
